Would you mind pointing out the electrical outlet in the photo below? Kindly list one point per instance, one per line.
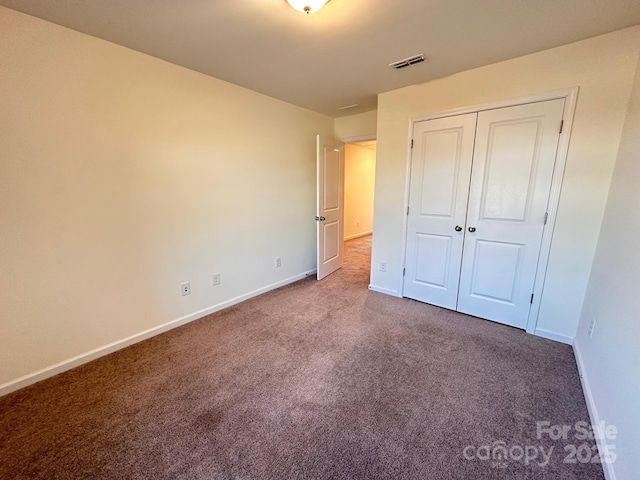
(185, 288)
(216, 279)
(383, 266)
(592, 325)
(278, 262)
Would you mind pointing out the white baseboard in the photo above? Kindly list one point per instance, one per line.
(551, 335)
(386, 291)
(609, 473)
(78, 360)
(358, 235)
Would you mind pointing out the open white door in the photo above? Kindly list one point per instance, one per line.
(330, 203)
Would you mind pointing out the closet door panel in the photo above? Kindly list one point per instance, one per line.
(440, 174)
(513, 165)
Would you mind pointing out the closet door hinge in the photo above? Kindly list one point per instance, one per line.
(561, 125)
(404, 270)
(531, 298)
(407, 210)
(412, 143)
(546, 217)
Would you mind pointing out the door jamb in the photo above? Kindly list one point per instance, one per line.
(570, 95)
(359, 138)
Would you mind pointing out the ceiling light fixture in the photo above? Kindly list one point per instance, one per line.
(307, 6)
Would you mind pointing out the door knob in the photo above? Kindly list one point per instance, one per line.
(458, 228)
(320, 219)
(472, 229)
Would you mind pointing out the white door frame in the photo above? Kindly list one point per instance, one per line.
(358, 139)
(570, 95)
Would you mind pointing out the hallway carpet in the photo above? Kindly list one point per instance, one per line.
(315, 380)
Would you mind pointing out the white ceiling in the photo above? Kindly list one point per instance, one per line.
(340, 55)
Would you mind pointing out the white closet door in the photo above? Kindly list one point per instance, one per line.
(440, 174)
(513, 165)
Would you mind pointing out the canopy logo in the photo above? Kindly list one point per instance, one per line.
(582, 449)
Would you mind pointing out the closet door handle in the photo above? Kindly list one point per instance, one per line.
(458, 228)
(472, 229)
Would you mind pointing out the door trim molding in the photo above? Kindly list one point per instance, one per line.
(565, 93)
(571, 98)
(570, 95)
(358, 138)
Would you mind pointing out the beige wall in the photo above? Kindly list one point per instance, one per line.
(122, 176)
(359, 184)
(360, 126)
(611, 357)
(603, 68)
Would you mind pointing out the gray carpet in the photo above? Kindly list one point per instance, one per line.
(317, 380)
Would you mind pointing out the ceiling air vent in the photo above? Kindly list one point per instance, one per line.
(408, 61)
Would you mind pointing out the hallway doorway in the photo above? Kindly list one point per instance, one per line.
(359, 185)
